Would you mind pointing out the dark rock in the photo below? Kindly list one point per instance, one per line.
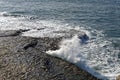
(84, 38)
(9, 33)
(33, 18)
(40, 28)
(32, 63)
(11, 15)
(12, 33)
(119, 55)
(31, 44)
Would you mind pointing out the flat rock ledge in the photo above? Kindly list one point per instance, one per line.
(24, 58)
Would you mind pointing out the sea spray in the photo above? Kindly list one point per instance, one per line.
(68, 50)
(92, 52)
(96, 56)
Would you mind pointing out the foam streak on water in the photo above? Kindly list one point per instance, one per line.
(94, 54)
(37, 28)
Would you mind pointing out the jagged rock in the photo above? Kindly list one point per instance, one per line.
(9, 33)
(31, 44)
(12, 33)
(32, 63)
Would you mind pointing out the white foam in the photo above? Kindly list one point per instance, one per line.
(68, 49)
(11, 23)
(37, 28)
(52, 29)
(97, 56)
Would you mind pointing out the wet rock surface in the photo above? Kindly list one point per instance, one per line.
(24, 58)
(11, 33)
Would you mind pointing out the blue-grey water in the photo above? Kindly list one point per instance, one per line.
(101, 15)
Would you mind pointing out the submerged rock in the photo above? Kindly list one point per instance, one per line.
(24, 58)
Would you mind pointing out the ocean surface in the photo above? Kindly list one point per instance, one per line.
(98, 19)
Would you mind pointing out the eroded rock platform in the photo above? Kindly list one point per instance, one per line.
(24, 58)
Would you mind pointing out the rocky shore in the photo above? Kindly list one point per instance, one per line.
(24, 58)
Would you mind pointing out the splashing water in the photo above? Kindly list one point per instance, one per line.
(88, 49)
(97, 56)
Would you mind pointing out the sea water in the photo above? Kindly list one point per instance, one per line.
(99, 20)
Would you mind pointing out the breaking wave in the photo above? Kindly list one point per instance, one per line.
(85, 47)
(96, 55)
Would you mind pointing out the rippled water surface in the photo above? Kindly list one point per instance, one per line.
(99, 19)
